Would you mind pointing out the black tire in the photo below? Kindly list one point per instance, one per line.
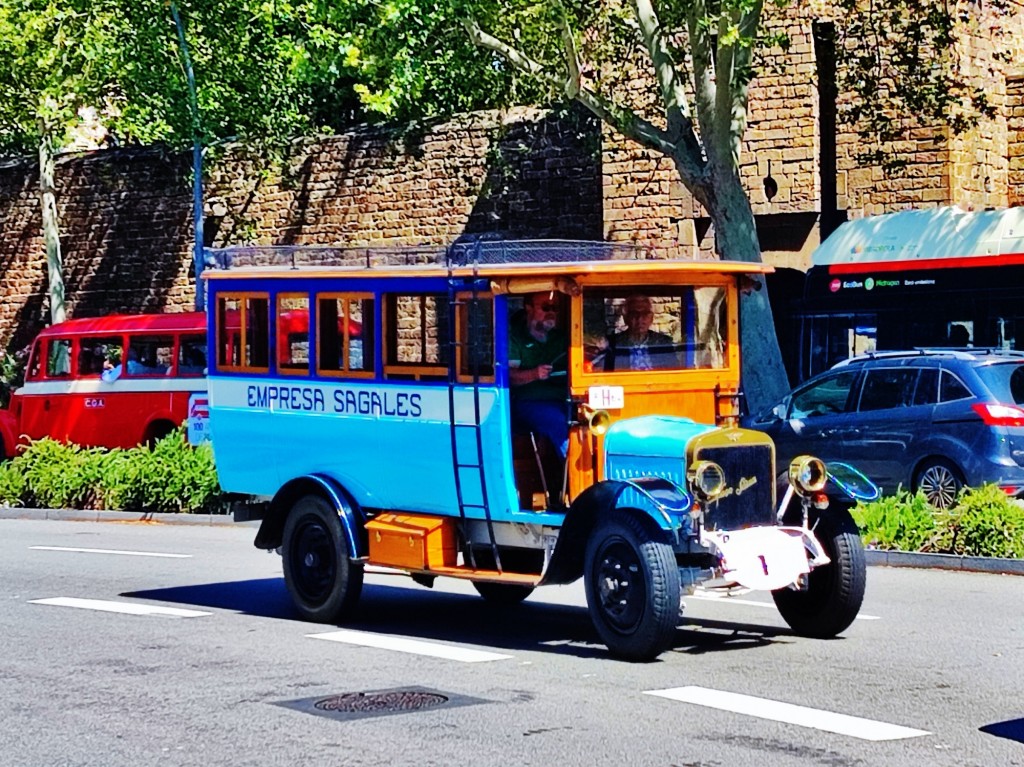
(940, 481)
(636, 615)
(502, 593)
(835, 591)
(156, 431)
(324, 583)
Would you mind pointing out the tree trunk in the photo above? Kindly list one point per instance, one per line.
(764, 378)
(51, 231)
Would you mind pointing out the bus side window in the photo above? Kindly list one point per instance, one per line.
(192, 355)
(416, 340)
(149, 355)
(345, 334)
(95, 353)
(243, 332)
(35, 365)
(293, 333)
(58, 361)
(476, 332)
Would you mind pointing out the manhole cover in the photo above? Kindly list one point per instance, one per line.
(380, 702)
(356, 705)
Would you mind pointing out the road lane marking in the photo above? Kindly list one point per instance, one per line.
(776, 711)
(726, 599)
(131, 608)
(413, 646)
(112, 551)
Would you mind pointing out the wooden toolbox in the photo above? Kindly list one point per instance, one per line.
(411, 542)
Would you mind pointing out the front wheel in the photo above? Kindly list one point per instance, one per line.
(633, 587)
(321, 578)
(835, 591)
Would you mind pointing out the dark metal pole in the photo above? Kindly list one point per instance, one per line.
(197, 163)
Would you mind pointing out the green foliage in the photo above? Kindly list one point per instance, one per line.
(12, 373)
(904, 522)
(984, 523)
(172, 477)
(12, 485)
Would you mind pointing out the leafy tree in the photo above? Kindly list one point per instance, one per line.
(699, 58)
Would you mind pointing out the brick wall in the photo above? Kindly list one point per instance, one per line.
(126, 227)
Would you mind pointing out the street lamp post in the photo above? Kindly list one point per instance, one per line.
(197, 162)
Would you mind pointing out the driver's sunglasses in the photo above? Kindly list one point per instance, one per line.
(549, 307)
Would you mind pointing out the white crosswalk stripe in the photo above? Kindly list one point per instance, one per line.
(777, 711)
(412, 646)
(129, 608)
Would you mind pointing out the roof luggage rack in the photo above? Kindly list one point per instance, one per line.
(463, 253)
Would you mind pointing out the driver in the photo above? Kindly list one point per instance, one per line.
(537, 370)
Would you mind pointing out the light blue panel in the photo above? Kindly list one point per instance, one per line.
(652, 436)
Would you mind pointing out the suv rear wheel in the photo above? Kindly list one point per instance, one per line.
(940, 481)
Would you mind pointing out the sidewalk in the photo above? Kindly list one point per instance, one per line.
(873, 556)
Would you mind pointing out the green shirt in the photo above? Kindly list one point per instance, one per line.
(529, 352)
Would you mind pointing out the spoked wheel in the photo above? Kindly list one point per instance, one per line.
(633, 587)
(835, 591)
(502, 593)
(940, 481)
(321, 578)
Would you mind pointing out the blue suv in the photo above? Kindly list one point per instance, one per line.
(929, 420)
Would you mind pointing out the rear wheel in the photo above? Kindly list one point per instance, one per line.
(321, 578)
(940, 481)
(633, 587)
(502, 593)
(835, 591)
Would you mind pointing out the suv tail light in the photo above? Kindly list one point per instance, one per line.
(999, 415)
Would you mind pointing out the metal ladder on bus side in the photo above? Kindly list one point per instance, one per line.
(475, 461)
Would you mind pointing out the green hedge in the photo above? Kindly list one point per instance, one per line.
(983, 523)
(172, 477)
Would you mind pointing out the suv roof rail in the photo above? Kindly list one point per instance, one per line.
(956, 352)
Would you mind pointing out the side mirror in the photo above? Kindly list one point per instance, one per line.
(779, 411)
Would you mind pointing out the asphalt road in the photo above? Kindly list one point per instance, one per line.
(931, 674)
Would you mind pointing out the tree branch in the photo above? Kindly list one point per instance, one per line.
(625, 121)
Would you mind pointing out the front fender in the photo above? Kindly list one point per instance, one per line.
(654, 498)
(353, 521)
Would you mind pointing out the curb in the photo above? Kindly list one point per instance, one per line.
(78, 515)
(944, 562)
(873, 557)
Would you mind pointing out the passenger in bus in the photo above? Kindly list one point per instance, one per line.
(112, 371)
(537, 370)
(638, 347)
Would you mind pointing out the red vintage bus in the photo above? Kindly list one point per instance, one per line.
(114, 381)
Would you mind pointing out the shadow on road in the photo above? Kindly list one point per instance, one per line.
(1012, 729)
(418, 613)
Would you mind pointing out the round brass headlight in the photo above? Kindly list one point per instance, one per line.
(807, 474)
(707, 480)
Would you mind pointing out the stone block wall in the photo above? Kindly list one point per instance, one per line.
(126, 215)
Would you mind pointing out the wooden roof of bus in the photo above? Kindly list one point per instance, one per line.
(490, 260)
(117, 324)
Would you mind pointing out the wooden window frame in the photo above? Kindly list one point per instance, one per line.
(243, 297)
(345, 371)
(406, 371)
(290, 371)
(462, 335)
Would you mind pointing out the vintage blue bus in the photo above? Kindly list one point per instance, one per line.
(376, 399)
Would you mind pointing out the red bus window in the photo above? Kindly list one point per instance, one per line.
(293, 333)
(97, 354)
(35, 365)
(192, 356)
(345, 334)
(58, 361)
(150, 355)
